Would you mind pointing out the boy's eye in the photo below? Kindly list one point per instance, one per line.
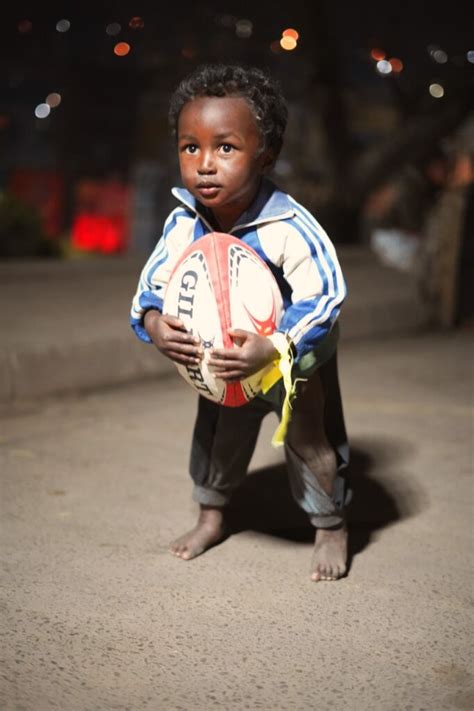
(227, 148)
(190, 148)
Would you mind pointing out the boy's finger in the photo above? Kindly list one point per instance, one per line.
(184, 348)
(182, 358)
(173, 321)
(224, 363)
(238, 333)
(230, 375)
(176, 324)
(234, 368)
(182, 337)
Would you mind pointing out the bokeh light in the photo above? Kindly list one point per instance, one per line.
(436, 90)
(396, 64)
(137, 23)
(288, 43)
(25, 26)
(113, 28)
(121, 49)
(377, 54)
(243, 29)
(290, 32)
(384, 67)
(42, 111)
(439, 56)
(470, 56)
(53, 99)
(275, 47)
(63, 25)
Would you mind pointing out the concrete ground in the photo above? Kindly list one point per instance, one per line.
(97, 615)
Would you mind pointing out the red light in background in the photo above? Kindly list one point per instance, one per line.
(98, 233)
(121, 49)
(290, 32)
(137, 23)
(377, 54)
(397, 65)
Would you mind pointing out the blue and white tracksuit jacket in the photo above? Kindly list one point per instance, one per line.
(288, 239)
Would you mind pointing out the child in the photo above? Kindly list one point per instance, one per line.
(229, 124)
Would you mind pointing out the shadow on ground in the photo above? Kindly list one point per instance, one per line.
(383, 495)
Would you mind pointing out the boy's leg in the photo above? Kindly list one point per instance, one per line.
(224, 440)
(316, 451)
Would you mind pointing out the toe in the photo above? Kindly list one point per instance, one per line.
(178, 549)
(174, 547)
(318, 574)
(327, 572)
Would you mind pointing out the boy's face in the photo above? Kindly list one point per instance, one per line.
(220, 155)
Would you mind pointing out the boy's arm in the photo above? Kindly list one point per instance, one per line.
(177, 234)
(312, 269)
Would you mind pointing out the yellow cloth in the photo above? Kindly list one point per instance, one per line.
(281, 368)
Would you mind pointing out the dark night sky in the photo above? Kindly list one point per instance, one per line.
(336, 38)
(404, 28)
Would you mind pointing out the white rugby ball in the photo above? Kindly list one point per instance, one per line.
(221, 283)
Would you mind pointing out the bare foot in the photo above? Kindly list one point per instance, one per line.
(208, 531)
(330, 554)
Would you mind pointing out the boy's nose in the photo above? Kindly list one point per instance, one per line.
(207, 164)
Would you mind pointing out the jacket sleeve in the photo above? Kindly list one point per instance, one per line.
(177, 234)
(312, 270)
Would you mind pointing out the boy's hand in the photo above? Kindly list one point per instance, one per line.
(171, 338)
(250, 354)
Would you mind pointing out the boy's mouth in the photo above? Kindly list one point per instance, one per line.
(208, 190)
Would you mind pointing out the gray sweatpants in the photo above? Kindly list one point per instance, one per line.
(224, 440)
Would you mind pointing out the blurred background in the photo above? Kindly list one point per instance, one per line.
(380, 99)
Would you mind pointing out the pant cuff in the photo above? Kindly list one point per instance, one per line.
(326, 521)
(210, 497)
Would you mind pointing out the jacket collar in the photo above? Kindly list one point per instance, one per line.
(270, 204)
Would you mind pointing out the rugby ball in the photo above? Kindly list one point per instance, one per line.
(221, 283)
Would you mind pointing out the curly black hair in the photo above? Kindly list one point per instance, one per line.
(262, 93)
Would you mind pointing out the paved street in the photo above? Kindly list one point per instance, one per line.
(97, 615)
